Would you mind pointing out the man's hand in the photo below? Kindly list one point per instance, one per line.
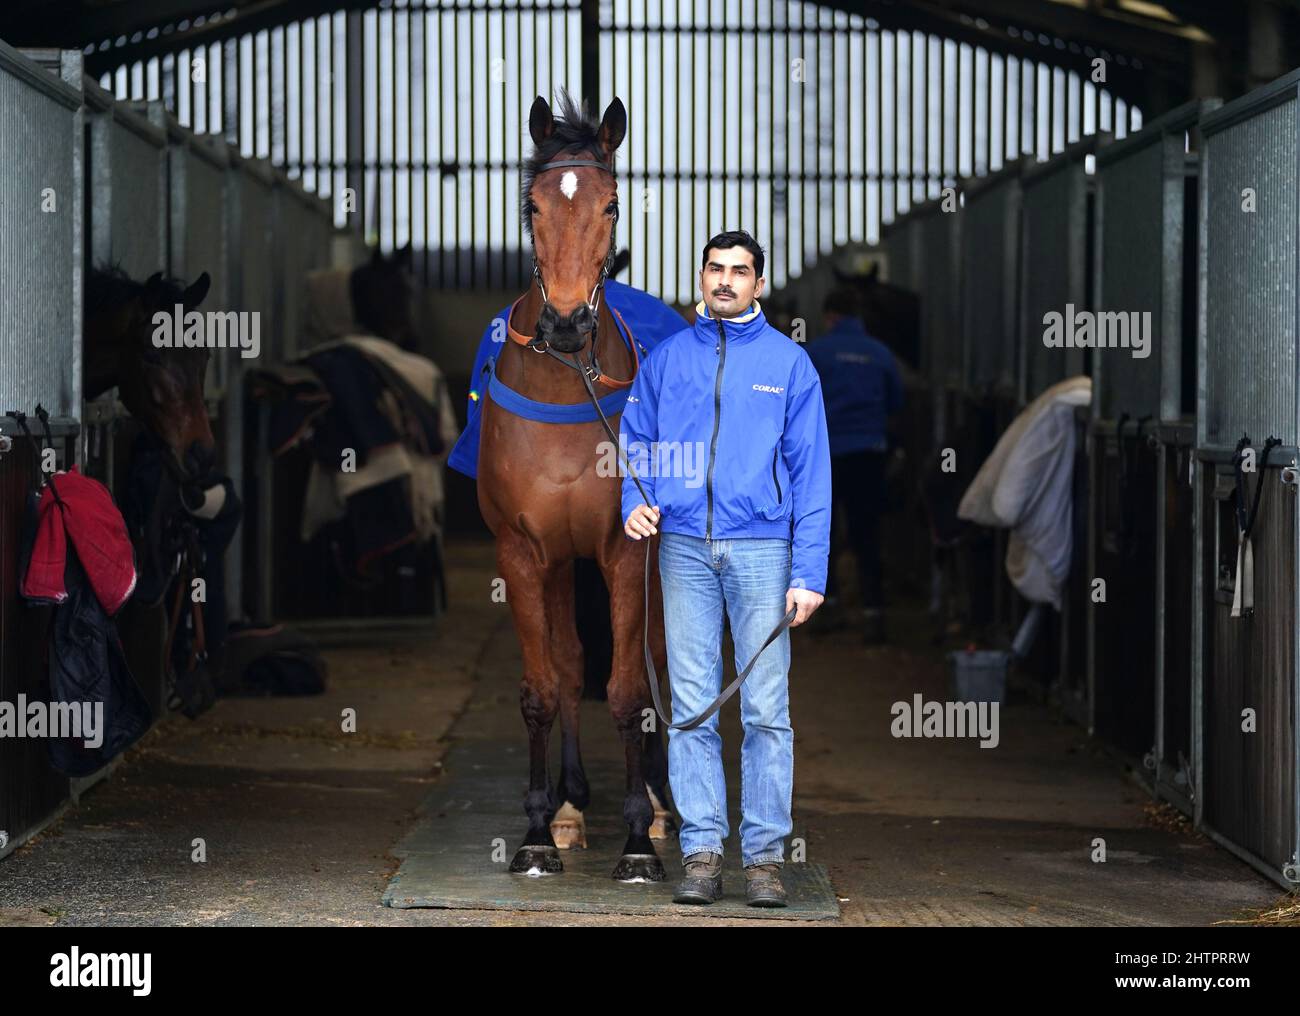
(805, 600)
(642, 522)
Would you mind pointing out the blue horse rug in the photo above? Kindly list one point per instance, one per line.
(649, 319)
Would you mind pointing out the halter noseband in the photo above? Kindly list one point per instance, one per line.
(593, 301)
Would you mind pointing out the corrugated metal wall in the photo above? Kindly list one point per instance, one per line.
(1249, 370)
(990, 274)
(41, 198)
(1054, 231)
(1134, 262)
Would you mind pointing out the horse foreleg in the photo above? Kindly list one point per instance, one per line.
(538, 700)
(629, 700)
(568, 827)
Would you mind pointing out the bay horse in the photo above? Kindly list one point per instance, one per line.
(162, 388)
(543, 499)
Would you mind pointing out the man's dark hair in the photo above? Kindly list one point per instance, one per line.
(735, 238)
(844, 301)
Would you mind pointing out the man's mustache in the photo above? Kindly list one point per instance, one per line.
(723, 292)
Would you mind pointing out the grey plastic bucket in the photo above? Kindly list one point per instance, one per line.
(979, 675)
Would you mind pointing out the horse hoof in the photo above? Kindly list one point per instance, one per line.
(536, 861)
(639, 868)
(569, 828)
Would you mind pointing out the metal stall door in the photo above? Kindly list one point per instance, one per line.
(1141, 505)
(990, 272)
(41, 255)
(1245, 671)
(906, 551)
(126, 222)
(254, 277)
(196, 226)
(941, 345)
(302, 228)
(1138, 267)
(1055, 243)
(1055, 246)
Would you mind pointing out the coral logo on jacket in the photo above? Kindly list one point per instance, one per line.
(774, 389)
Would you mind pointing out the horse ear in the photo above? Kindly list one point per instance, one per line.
(873, 275)
(540, 122)
(197, 290)
(403, 258)
(153, 283)
(376, 256)
(613, 126)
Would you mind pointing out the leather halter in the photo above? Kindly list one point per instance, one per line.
(590, 371)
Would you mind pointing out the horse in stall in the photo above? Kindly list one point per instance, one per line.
(162, 388)
(543, 499)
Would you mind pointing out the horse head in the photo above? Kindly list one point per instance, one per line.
(383, 297)
(570, 209)
(162, 387)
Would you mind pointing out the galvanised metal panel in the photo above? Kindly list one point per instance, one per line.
(1054, 254)
(1248, 346)
(127, 218)
(302, 239)
(940, 246)
(253, 276)
(41, 254)
(1142, 213)
(1133, 264)
(902, 246)
(196, 219)
(989, 272)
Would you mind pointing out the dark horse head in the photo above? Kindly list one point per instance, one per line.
(383, 294)
(891, 313)
(162, 387)
(570, 213)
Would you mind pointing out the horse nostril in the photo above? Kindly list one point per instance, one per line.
(202, 457)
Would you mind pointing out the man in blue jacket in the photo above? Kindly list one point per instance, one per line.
(862, 386)
(726, 429)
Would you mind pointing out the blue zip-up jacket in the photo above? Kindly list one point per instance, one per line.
(766, 468)
(861, 385)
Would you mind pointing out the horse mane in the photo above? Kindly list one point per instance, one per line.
(577, 133)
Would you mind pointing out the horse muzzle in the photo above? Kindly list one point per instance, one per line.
(566, 333)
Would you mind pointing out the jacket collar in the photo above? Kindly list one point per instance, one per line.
(848, 326)
(739, 329)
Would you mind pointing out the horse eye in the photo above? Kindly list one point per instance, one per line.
(612, 209)
(532, 207)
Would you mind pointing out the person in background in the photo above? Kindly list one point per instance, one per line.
(862, 388)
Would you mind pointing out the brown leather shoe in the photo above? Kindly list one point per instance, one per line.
(703, 881)
(763, 886)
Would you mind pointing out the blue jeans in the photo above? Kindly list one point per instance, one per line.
(750, 577)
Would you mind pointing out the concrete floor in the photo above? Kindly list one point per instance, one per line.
(298, 818)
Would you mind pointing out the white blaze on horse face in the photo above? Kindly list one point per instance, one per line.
(569, 184)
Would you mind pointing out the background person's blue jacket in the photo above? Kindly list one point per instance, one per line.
(861, 385)
(771, 466)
